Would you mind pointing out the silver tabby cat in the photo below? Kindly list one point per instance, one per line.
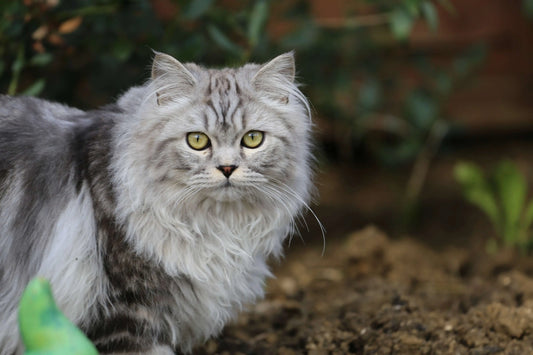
(154, 217)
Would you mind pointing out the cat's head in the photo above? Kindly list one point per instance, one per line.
(226, 134)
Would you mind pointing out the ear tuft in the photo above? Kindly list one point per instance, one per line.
(276, 77)
(283, 65)
(170, 77)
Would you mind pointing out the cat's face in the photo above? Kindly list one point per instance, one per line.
(229, 134)
(232, 157)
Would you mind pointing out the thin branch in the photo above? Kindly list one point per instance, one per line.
(423, 162)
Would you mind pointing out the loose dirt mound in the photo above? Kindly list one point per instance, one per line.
(371, 295)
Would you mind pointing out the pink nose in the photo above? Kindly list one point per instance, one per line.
(227, 170)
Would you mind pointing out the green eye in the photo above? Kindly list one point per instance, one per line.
(252, 139)
(198, 140)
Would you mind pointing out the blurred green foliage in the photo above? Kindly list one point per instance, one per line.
(527, 6)
(358, 71)
(502, 197)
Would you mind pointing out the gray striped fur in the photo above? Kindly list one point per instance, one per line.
(149, 247)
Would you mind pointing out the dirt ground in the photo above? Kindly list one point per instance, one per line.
(369, 294)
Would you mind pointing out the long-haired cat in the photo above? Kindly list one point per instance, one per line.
(153, 218)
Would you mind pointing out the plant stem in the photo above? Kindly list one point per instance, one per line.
(16, 69)
(421, 166)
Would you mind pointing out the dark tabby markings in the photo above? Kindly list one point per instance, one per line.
(119, 324)
(117, 344)
(218, 100)
(236, 107)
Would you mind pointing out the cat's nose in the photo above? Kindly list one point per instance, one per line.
(227, 170)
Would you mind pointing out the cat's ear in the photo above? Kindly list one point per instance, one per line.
(171, 77)
(276, 77)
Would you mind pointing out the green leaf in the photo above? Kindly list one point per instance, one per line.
(421, 109)
(41, 59)
(477, 191)
(35, 89)
(412, 6)
(485, 201)
(469, 175)
(512, 189)
(122, 50)
(257, 22)
(401, 23)
(223, 41)
(430, 14)
(197, 8)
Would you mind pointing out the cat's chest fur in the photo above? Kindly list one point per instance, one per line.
(184, 305)
(177, 309)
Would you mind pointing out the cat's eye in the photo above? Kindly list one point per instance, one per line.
(198, 140)
(252, 139)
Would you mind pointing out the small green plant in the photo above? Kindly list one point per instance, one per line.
(502, 197)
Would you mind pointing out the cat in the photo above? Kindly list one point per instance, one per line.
(154, 217)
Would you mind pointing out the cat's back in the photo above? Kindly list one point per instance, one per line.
(32, 111)
(38, 171)
(32, 128)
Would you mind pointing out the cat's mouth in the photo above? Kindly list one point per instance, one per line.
(227, 191)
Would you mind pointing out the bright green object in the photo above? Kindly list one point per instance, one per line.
(502, 197)
(44, 329)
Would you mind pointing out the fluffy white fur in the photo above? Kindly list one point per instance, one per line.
(71, 261)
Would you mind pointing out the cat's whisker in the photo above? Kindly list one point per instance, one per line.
(276, 196)
(189, 191)
(291, 192)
